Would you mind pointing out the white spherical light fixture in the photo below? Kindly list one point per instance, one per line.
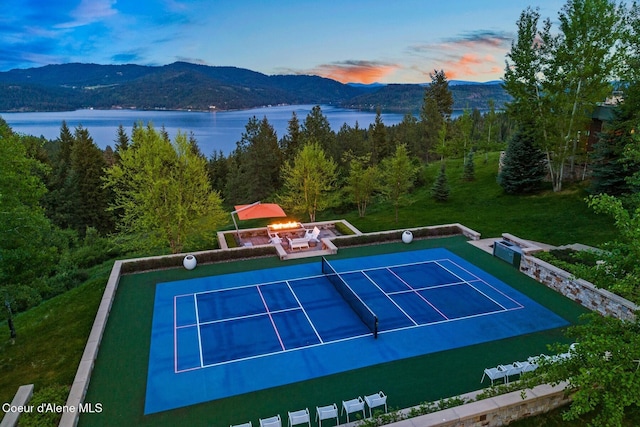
(189, 262)
(407, 236)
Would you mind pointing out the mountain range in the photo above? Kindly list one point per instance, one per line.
(186, 86)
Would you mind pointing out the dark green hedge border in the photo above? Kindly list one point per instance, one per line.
(173, 261)
(395, 236)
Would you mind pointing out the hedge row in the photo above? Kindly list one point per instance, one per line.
(395, 236)
(174, 261)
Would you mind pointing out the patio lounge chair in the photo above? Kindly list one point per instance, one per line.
(312, 234)
(299, 243)
(243, 425)
(496, 374)
(353, 405)
(274, 421)
(274, 238)
(328, 412)
(299, 417)
(374, 400)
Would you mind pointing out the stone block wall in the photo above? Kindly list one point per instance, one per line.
(581, 291)
(495, 411)
(578, 290)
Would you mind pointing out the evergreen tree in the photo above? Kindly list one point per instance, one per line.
(121, 142)
(255, 172)
(469, 171)
(218, 170)
(57, 201)
(524, 164)
(609, 169)
(316, 128)
(89, 199)
(291, 143)
(441, 190)
(379, 146)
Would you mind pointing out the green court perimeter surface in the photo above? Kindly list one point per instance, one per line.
(119, 377)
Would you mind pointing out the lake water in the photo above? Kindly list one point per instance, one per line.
(214, 131)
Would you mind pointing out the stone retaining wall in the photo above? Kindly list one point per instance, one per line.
(581, 291)
(495, 411)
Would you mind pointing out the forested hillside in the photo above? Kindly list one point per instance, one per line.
(184, 86)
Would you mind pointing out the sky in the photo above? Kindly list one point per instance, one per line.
(360, 41)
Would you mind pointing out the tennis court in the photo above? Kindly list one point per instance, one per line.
(225, 335)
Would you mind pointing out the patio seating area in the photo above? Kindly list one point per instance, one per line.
(295, 240)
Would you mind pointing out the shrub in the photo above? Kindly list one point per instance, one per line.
(343, 229)
(175, 261)
(54, 395)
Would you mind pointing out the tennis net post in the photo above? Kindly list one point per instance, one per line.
(356, 303)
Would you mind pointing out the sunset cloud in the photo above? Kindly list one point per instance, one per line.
(355, 71)
(467, 56)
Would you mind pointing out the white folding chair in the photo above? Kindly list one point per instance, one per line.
(328, 412)
(353, 405)
(274, 421)
(374, 400)
(299, 417)
(242, 425)
(495, 374)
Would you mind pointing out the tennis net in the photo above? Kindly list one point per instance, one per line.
(363, 311)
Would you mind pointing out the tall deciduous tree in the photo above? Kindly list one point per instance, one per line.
(25, 252)
(164, 191)
(556, 80)
(398, 175)
(309, 181)
(362, 182)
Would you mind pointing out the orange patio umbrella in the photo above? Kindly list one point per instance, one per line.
(256, 210)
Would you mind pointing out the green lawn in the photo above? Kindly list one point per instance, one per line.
(554, 218)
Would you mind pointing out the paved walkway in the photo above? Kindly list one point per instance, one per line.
(487, 244)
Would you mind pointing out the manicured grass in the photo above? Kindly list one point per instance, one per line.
(553, 218)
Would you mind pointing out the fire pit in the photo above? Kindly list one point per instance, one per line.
(284, 226)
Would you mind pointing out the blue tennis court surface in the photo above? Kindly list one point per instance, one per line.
(220, 336)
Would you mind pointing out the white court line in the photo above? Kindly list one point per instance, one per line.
(175, 334)
(195, 301)
(273, 323)
(390, 299)
(520, 306)
(283, 351)
(456, 319)
(444, 285)
(305, 313)
(486, 283)
(418, 294)
(469, 284)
